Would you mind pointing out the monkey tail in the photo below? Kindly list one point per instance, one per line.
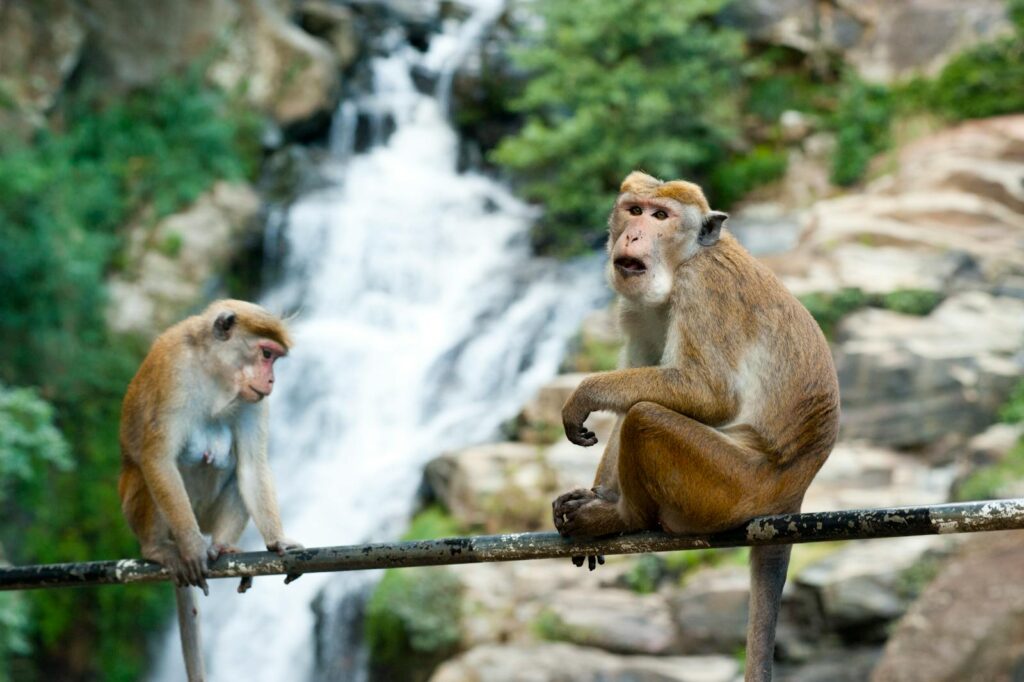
(768, 565)
(188, 624)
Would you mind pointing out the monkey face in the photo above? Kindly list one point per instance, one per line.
(647, 239)
(256, 376)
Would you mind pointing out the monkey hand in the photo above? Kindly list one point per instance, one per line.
(192, 564)
(574, 414)
(284, 545)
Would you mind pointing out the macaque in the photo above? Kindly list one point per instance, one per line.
(727, 396)
(194, 449)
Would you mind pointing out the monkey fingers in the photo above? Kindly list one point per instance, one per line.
(568, 503)
(219, 549)
(580, 435)
(244, 584)
(592, 560)
(282, 546)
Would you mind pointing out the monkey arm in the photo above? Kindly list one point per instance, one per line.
(158, 463)
(707, 401)
(255, 480)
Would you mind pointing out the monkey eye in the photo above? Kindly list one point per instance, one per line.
(266, 353)
(635, 210)
(660, 215)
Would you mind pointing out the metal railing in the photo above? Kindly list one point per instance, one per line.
(854, 524)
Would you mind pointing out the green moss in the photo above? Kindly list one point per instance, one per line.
(171, 245)
(862, 125)
(917, 302)
(829, 308)
(1013, 411)
(412, 622)
(645, 574)
(432, 523)
(733, 179)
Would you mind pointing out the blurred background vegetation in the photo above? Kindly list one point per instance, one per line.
(607, 86)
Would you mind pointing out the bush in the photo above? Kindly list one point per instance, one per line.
(862, 128)
(829, 308)
(650, 85)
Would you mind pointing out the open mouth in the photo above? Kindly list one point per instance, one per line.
(629, 267)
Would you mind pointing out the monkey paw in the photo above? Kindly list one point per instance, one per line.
(285, 545)
(219, 549)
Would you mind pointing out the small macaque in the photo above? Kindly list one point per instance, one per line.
(194, 427)
(727, 398)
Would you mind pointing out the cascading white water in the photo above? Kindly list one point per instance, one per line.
(424, 324)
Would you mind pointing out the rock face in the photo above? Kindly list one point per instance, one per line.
(968, 624)
(568, 663)
(171, 265)
(641, 623)
(40, 44)
(910, 380)
(884, 41)
(950, 218)
(250, 44)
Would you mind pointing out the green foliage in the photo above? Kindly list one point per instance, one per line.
(862, 128)
(983, 81)
(917, 302)
(412, 620)
(829, 308)
(647, 84)
(64, 201)
(413, 617)
(734, 178)
(432, 523)
(644, 575)
(991, 482)
(30, 443)
(1013, 411)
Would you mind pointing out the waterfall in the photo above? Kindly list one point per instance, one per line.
(424, 324)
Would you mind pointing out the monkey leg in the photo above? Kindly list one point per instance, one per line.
(686, 477)
(225, 521)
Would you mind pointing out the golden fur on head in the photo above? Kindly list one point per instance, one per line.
(684, 192)
(256, 320)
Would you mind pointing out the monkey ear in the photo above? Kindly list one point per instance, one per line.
(711, 228)
(223, 324)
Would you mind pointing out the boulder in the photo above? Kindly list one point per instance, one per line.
(251, 46)
(858, 589)
(883, 41)
(559, 662)
(495, 486)
(334, 24)
(172, 266)
(545, 408)
(641, 623)
(951, 217)
(857, 476)
(910, 380)
(711, 610)
(40, 44)
(968, 623)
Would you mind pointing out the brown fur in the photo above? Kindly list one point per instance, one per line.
(729, 401)
(193, 447)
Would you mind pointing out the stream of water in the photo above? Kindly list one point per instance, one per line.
(424, 324)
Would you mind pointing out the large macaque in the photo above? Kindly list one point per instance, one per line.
(728, 397)
(194, 448)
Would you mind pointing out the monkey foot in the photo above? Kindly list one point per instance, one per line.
(584, 513)
(219, 549)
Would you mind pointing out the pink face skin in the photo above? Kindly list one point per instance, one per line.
(258, 377)
(644, 224)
